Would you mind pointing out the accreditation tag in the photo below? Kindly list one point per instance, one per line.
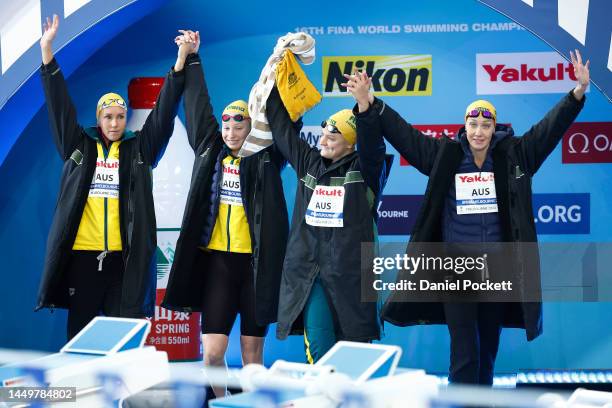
(230, 185)
(326, 207)
(105, 182)
(475, 193)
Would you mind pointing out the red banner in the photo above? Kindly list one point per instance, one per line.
(436, 131)
(588, 142)
(176, 333)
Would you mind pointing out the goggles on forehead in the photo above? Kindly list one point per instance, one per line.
(114, 101)
(330, 128)
(238, 117)
(474, 113)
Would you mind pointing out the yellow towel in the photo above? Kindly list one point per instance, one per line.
(297, 93)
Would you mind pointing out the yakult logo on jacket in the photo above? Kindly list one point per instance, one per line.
(523, 73)
(107, 165)
(476, 179)
(589, 142)
(336, 192)
(231, 170)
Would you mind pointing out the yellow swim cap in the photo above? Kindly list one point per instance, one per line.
(344, 120)
(239, 107)
(481, 107)
(108, 100)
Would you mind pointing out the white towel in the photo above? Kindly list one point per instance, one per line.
(302, 45)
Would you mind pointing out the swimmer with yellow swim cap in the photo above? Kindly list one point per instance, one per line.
(478, 193)
(323, 292)
(111, 114)
(231, 248)
(101, 245)
(235, 125)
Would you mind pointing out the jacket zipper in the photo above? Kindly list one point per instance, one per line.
(102, 255)
(229, 214)
(483, 226)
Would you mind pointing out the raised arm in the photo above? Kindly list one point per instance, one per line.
(543, 137)
(375, 116)
(287, 138)
(202, 126)
(62, 115)
(276, 155)
(157, 129)
(370, 143)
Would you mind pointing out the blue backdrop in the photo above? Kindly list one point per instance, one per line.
(236, 40)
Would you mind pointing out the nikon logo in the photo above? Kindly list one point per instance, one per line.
(392, 75)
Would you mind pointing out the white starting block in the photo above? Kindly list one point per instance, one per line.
(107, 360)
(362, 361)
(340, 376)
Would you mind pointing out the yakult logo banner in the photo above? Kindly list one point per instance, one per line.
(562, 213)
(589, 142)
(397, 214)
(392, 75)
(523, 73)
(564, 24)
